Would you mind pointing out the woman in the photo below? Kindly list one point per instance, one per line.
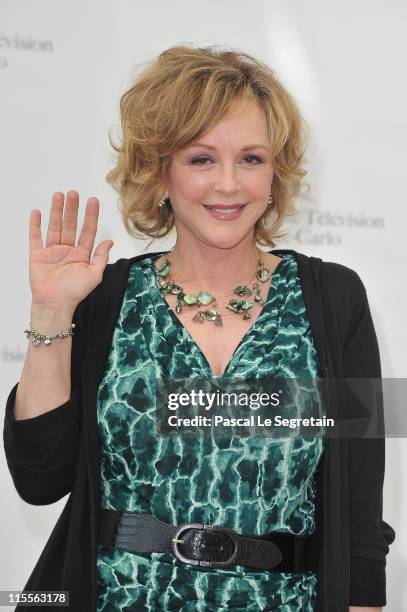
(213, 145)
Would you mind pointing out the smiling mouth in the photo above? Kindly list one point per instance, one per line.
(226, 211)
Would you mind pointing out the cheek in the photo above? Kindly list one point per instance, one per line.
(259, 183)
(190, 187)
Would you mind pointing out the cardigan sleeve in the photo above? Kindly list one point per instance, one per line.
(370, 536)
(41, 451)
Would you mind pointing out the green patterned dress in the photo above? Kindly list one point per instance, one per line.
(253, 485)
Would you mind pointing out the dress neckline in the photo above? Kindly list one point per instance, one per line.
(160, 300)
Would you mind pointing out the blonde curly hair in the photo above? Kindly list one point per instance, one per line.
(181, 95)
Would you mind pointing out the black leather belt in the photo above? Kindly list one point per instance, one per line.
(202, 545)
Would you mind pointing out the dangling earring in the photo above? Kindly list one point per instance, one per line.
(270, 200)
(163, 201)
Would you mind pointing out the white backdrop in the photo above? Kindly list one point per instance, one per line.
(63, 67)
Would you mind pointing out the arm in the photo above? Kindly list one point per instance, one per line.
(45, 381)
(370, 536)
(41, 451)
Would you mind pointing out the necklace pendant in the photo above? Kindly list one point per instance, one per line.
(205, 298)
(208, 315)
(163, 285)
(235, 305)
(218, 320)
(175, 289)
(263, 274)
(164, 269)
(256, 289)
(180, 301)
(166, 286)
(239, 305)
(247, 315)
(242, 290)
(190, 299)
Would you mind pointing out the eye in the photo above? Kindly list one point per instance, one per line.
(199, 160)
(258, 160)
(196, 160)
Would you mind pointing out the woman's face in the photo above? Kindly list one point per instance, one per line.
(231, 165)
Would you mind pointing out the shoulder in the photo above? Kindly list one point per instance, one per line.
(124, 263)
(333, 275)
(107, 296)
(340, 286)
(343, 294)
(341, 279)
(116, 274)
(343, 289)
(109, 292)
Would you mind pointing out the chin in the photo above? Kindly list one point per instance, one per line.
(227, 239)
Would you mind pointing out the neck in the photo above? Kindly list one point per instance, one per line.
(212, 268)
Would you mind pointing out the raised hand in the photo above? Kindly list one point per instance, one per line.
(63, 273)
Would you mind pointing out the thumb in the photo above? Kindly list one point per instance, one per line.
(101, 255)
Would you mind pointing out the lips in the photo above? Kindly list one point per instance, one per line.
(224, 209)
(224, 206)
(225, 212)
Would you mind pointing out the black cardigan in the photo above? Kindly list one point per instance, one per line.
(56, 453)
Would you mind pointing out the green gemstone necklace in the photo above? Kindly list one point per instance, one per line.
(204, 298)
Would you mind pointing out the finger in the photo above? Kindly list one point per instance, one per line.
(70, 219)
(55, 219)
(90, 224)
(101, 255)
(35, 239)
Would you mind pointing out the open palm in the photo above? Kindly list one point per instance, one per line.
(63, 273)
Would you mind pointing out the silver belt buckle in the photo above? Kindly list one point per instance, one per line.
(218, 528)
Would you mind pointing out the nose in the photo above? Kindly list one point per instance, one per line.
(227, 181)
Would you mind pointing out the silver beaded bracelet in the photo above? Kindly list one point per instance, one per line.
(38, 337)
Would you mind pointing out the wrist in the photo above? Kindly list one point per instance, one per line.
(50, 319)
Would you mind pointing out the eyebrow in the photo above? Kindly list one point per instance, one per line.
(253, 146)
